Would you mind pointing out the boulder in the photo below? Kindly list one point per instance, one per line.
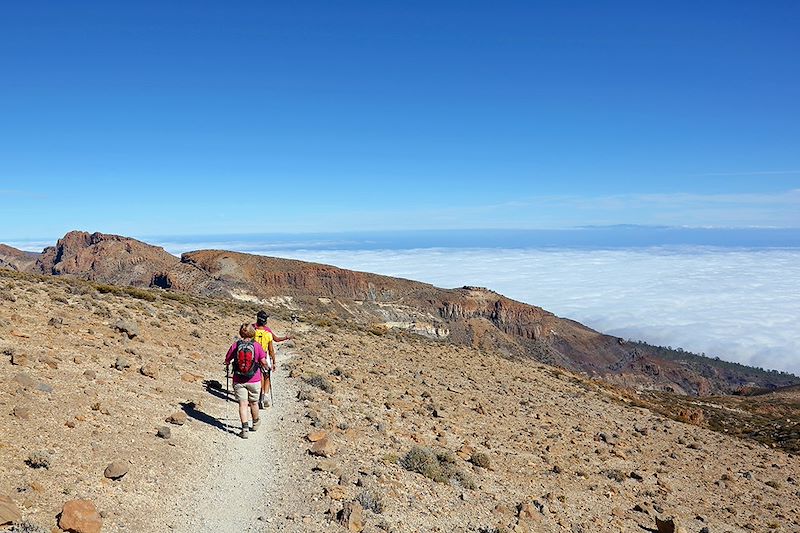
(80, 516)
(116, 470)
(9, 512)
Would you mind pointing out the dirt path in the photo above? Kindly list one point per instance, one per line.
(260, 484)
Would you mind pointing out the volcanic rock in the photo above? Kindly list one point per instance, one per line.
(116, 470)
(80, 516)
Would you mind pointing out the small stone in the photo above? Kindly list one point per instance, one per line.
(150, 370)
(327, 465)
(116, 470)
(50, 361)
(323, 447)
(80, 516)
(526, 511)
(164, 432)
(337, 492)
(44, 387)
(611, 440)
(25, 380)
(637, 476)
(121, 363)
(668, 525)
(90, 374)
(23, 412)
(9, 512)
(19, 359)
(130, 328)
(352, 517)
(178, 418)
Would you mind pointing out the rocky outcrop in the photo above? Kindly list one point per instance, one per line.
(105, 258)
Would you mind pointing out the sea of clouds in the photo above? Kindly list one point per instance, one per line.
(739, 304)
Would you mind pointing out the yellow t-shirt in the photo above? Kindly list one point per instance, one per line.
(264, 337)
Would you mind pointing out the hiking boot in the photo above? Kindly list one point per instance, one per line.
(244, 432)
(256, 423)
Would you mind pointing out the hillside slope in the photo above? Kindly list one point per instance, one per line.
(421, 436)
(469, 316)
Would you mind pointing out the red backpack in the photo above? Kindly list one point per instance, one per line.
(244, 361)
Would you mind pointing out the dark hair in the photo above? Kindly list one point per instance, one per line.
(261, 318)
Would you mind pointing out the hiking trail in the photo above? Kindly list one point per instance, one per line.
(258, 484)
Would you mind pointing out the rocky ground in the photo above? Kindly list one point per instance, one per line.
(372, 430)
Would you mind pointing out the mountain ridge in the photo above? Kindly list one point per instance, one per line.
(472, 316)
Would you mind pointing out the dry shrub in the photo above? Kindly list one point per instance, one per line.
(438, 465)
(480, 459)
(39, 459)
(27, 527)
(319, 381)
(372, 500)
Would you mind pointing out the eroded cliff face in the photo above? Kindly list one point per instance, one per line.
(470, 315)
(105, 258)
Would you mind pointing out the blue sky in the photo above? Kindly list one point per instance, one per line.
(152, 118)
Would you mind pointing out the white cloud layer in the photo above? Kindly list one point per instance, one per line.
(740, 305)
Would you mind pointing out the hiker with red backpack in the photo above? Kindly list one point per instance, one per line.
(266, 338)
(248, 361)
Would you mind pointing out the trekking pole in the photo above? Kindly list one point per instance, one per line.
(271, 386)
(272, 381)
(227, 384)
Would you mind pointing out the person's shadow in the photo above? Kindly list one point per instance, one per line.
(214, 388)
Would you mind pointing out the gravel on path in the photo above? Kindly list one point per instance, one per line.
(260, 484)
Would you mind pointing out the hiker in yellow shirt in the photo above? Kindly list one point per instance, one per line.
(266, 337)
